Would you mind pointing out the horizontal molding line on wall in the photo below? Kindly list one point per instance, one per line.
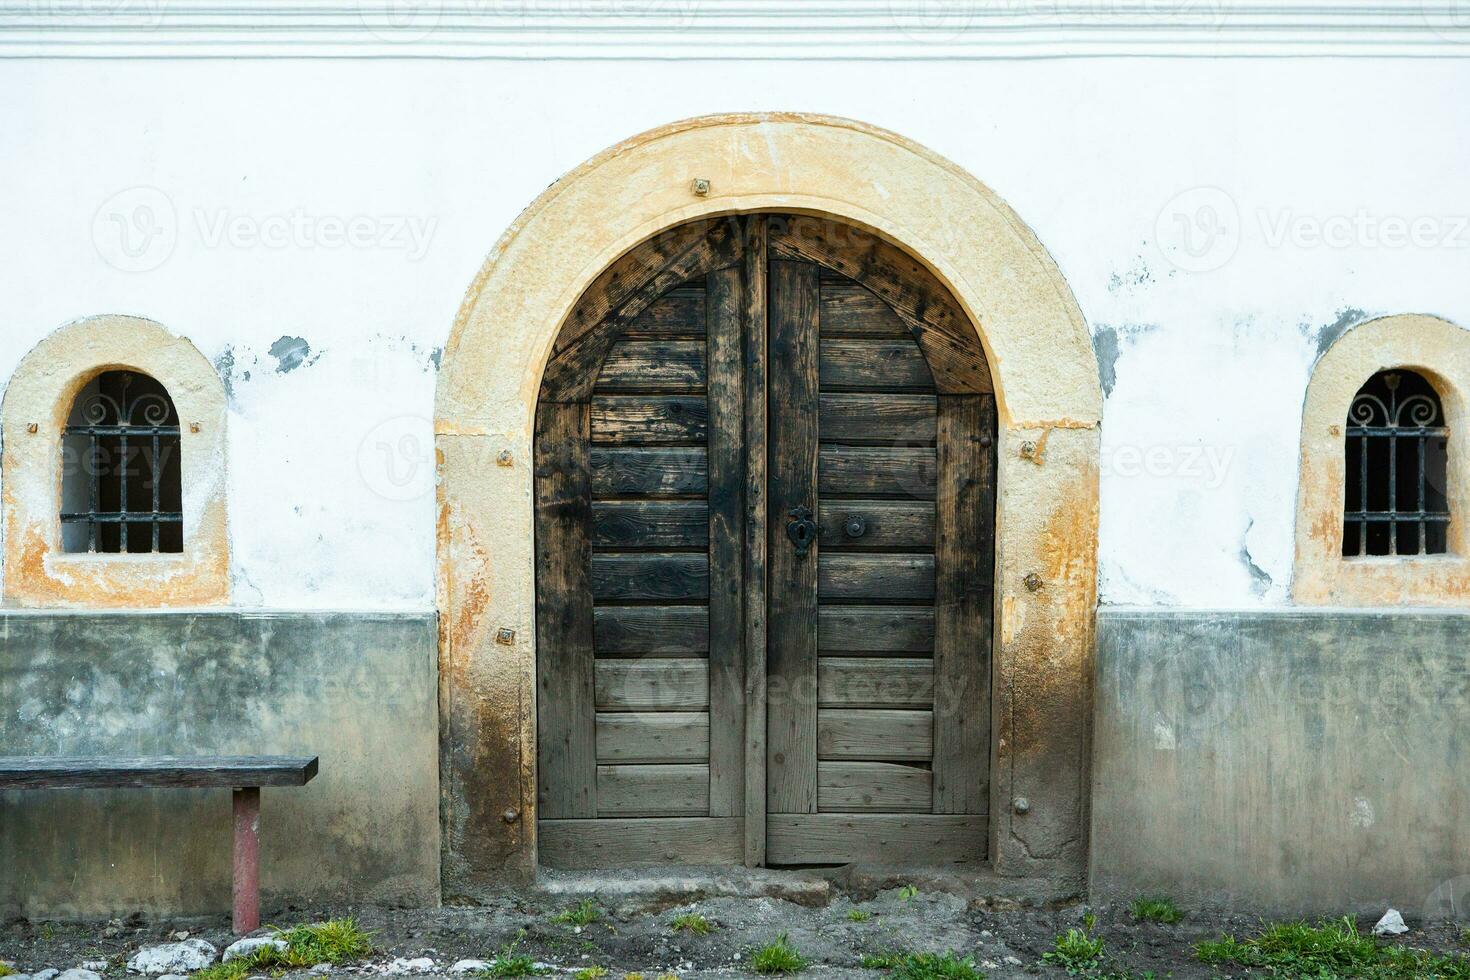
(730, 29)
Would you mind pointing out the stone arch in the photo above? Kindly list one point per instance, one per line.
(1048, 399)
(39, 398)
(1438, 350)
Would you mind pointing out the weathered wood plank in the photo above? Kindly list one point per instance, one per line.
(848, 577)
(757, 514)
(865, 787)
(654, 365)
(875, 734)
(891, 524)
(887, 365)
(964, 602)
(887, 418)
(649, 419)
(566, 750)
(649, 472)
(868, 629)
(654, 684)
(897, 839)
(651, 631)
(791, 730)
(585, 340)
(677, 313)
(653, 791)
(653, 737)
(849, 310)
(725, 688)
(875, 682)
(855, 471)
(157, 772)
(638, 842)
(650, 577)
(651, 524)
(948, 339)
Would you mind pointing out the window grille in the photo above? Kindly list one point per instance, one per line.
(121, 477)
(1397, 455)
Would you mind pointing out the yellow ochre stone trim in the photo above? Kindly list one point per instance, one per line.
(1045, 377)
(1440, 351)
(40, 394)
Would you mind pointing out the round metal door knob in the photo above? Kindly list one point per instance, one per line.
(854, 526)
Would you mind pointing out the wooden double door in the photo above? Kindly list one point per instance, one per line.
(765, 498)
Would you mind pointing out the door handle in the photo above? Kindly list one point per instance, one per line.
(802, 530)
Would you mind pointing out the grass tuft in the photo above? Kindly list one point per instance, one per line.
(584, 913)
(937, 966)
(509, 963)
(1075, 951)
(908, 893)
(778, 957)
(1328, 949)
(858, 915)
(1156, 909)
(691, 922)
(6, 970)
(335, 941)
(590, 973)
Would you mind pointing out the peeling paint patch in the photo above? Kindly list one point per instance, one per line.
(291, 353)
(1107, 344)
(1327, 334)
(1261, 580)
(225, 365)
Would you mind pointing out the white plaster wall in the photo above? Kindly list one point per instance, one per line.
(1206, 355)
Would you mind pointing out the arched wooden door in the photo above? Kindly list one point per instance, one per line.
(765, 498)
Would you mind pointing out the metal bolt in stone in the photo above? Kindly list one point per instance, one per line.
(33, 428)
(701, 187)
(505, 458)
(1022, 805)
(1032, 582)
(1028, 449)
(505, 636)
(195, 426)
(511, 815)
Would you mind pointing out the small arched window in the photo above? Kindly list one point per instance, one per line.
(121, 484)
(1396, 461)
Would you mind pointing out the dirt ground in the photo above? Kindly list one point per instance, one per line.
(634, 934)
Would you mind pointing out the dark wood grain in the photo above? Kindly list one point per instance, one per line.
(858, 471)
(892, 419)
(726, 694)
(566, 746)
(900, 525)
(641, 365)
(648, 419)
(964, 602)
(890, 365)
(665, 524)
(874, 629)
(649, 472)
(158, 772)
(757, 517)
(847, 577)
(791, 758)
(650, 577)
(657, 631)
(903, 839)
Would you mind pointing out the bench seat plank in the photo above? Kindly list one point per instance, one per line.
(102, 772)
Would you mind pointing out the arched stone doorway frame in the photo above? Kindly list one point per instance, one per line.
(1049, 403)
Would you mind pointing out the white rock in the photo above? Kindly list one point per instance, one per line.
(78, 974)
(249, 947)
(47, 974)
(401, 966)
(180, 936)
(470, 966)
(1012, 960)
(173, 976)
(321, 969)
(17, 976)
(184, 957)
(1392, 924)
(990, 964)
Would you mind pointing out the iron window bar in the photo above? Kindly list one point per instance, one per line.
(1380, 419)
(107, 418)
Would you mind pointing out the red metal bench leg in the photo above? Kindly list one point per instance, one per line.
(247, 860)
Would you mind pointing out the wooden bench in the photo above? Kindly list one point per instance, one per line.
(244, 774)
